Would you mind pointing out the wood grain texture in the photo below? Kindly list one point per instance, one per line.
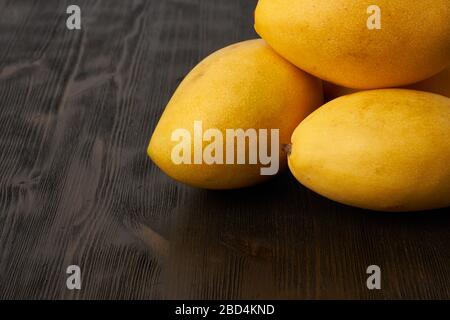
(77, 109)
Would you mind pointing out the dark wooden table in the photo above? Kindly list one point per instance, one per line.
(77, 109)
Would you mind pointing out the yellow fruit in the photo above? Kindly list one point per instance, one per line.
(331, 39)
(244, 86)
(439, 84)
(386, 150)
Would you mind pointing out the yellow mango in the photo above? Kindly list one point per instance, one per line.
(244, 86)
(386, 150)
(359, 44)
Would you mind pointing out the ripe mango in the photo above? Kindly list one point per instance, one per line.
(331, 39)
(386, 150)
(243, 86)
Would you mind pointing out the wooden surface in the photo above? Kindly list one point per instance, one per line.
(77, 109)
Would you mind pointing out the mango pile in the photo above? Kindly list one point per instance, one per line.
(358, 92)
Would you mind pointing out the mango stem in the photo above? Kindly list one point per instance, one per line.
(287, 148)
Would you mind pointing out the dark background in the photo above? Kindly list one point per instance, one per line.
(77, 109)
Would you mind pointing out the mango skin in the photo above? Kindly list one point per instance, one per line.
(439, 84)
(246, 85)
(385, 150)
(330, 39)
